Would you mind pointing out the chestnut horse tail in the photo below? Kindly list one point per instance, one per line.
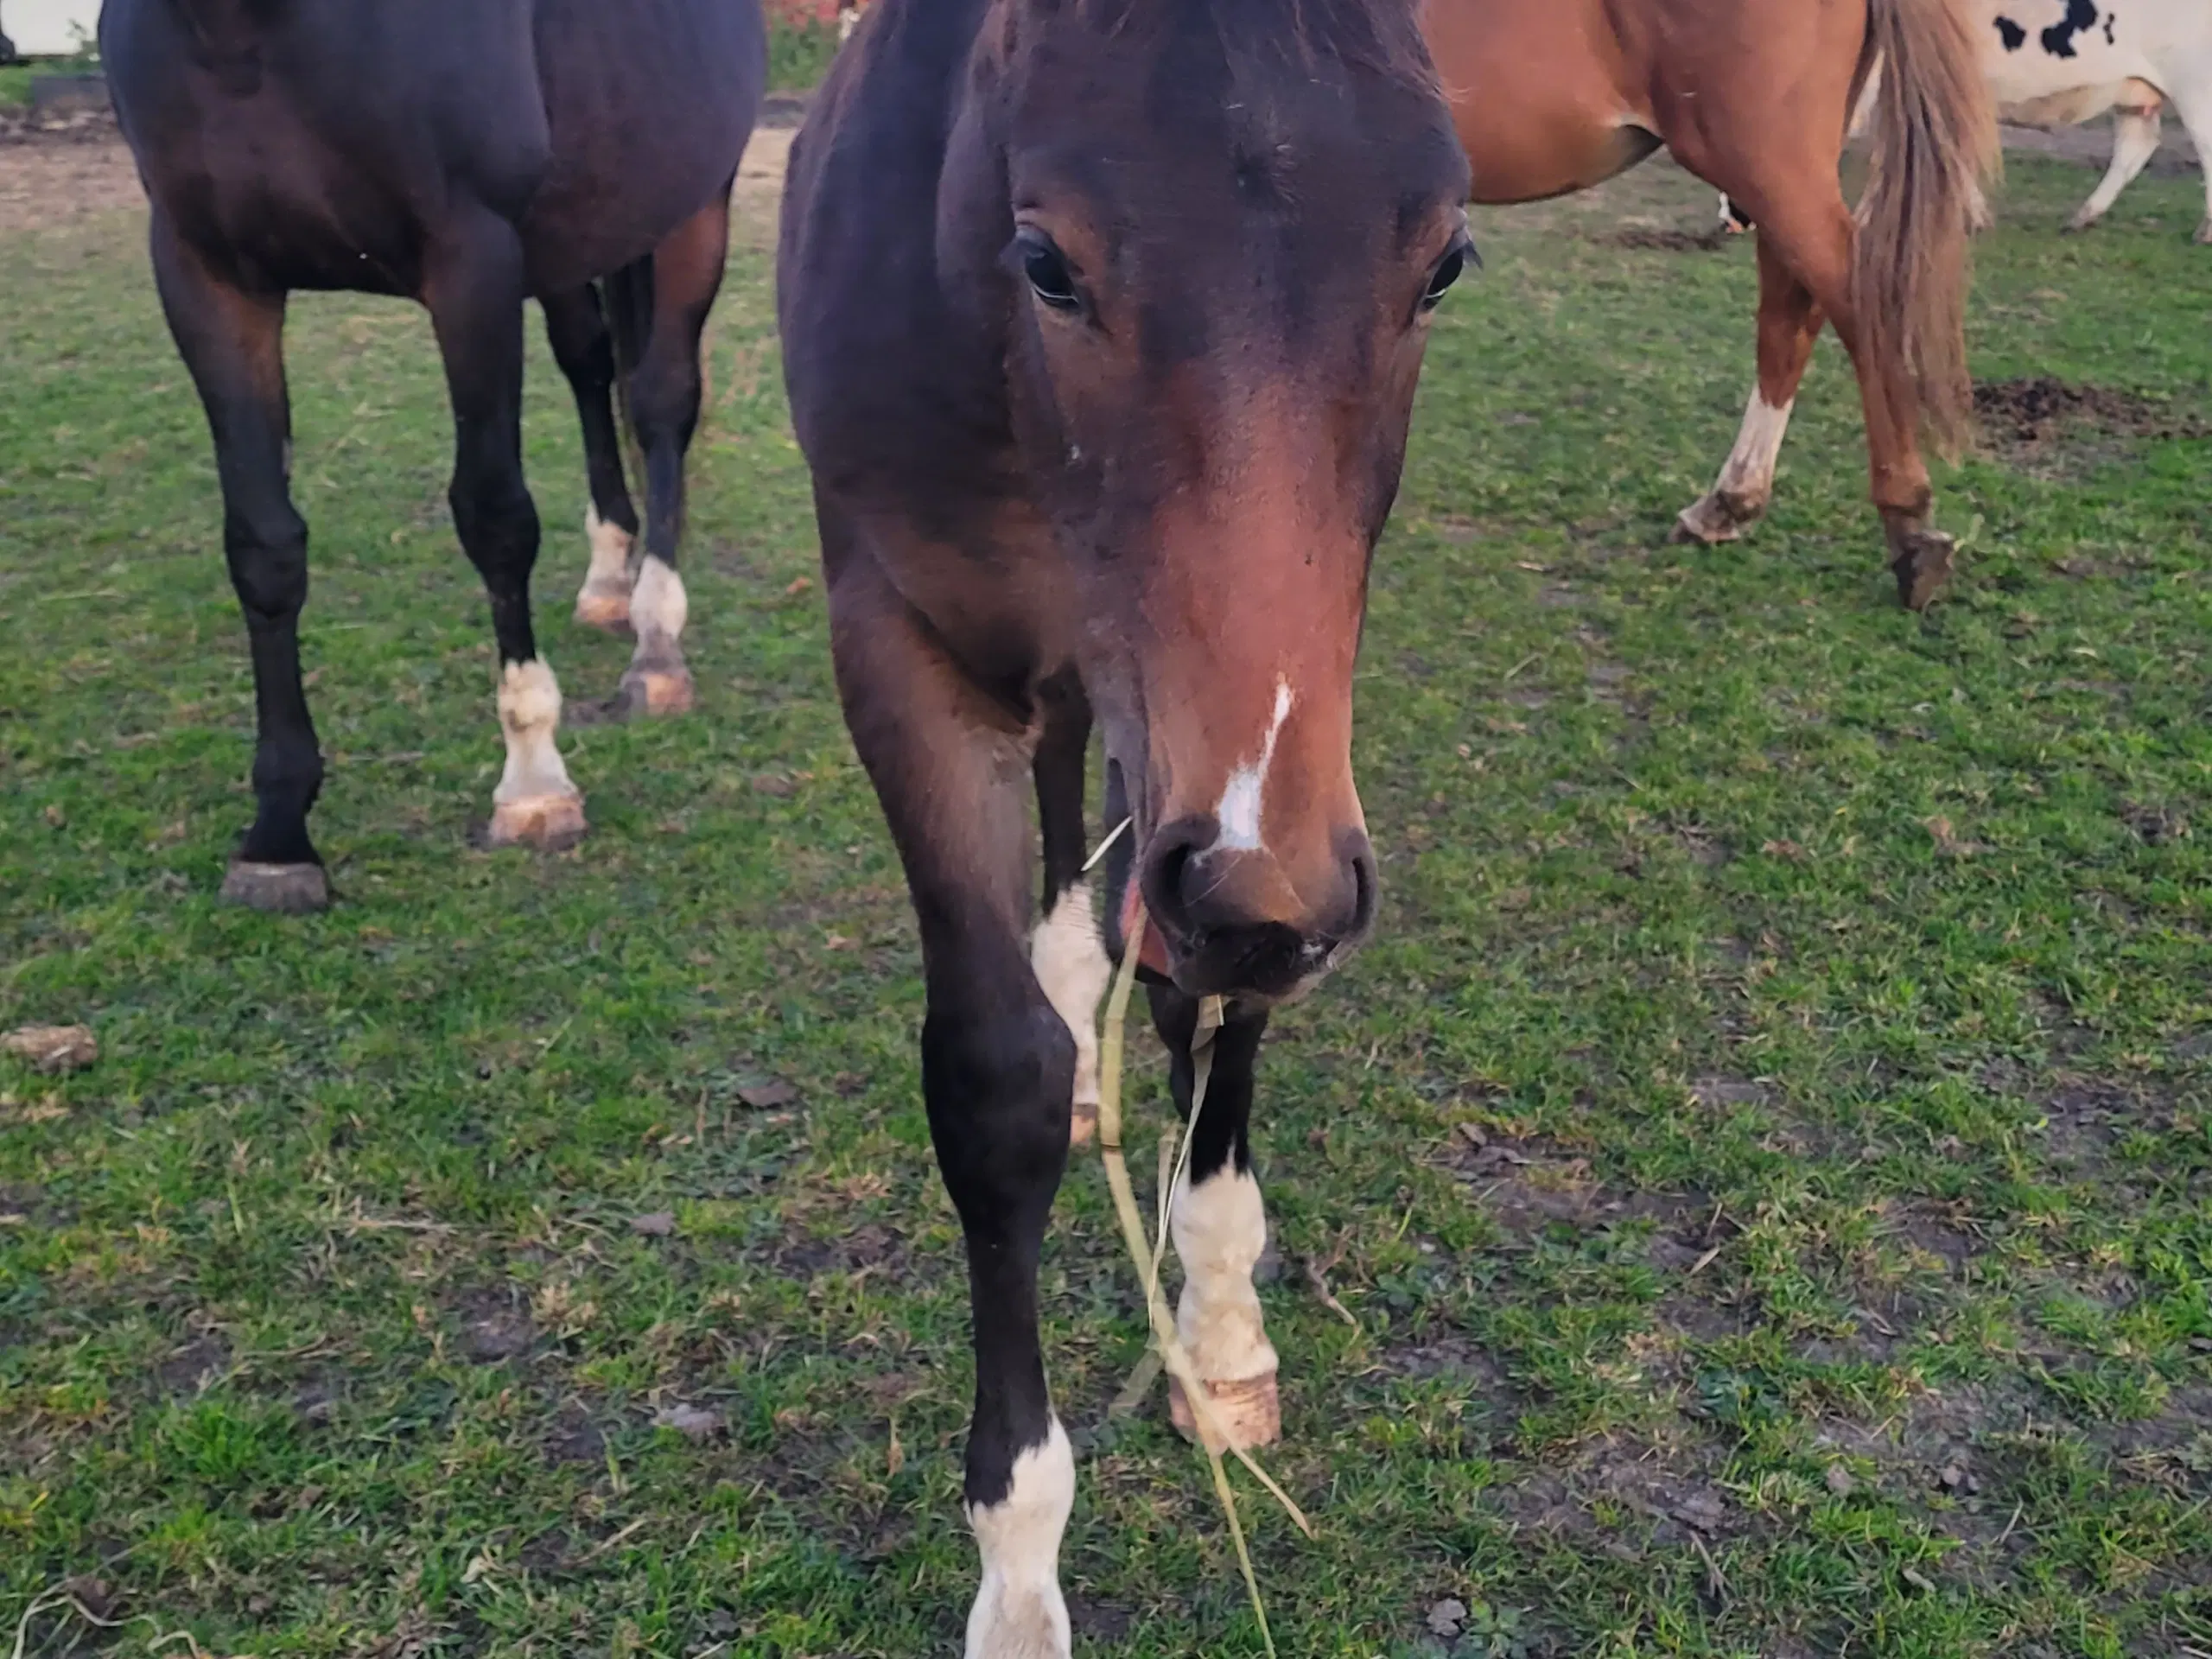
(1933, 130)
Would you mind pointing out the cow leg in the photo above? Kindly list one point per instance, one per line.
(232, 343)
(475, 292)
(2192, 100)
(998, 1065)
(687, 274)
(1066, 949)
(584, 348)
(1789, 325)
(1219, 1226)
(2134, 142)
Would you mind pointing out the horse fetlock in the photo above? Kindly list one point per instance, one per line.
(535, 803)
(1018, 1612)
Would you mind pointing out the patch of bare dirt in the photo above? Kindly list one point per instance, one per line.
(66, 180)
(1655, 238)
(2043, 424)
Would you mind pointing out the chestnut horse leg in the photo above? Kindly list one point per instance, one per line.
(1789, 323)
(950, 763)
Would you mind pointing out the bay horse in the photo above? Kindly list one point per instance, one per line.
(1102, 321)
(1754, 98)
(465, 154)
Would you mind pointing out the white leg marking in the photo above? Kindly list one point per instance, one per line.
(530, 715)
(1070, 962)
(658, 606)
(1018, 1612)
(1220, 1229)
(657, 678)
(604, 599)
(1244, 797)
(1748, 474)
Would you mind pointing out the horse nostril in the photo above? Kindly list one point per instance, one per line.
(1168, 869)
(1364, 884)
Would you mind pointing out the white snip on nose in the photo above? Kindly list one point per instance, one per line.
(1244, 795)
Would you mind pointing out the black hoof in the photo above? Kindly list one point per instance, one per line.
(286, 889)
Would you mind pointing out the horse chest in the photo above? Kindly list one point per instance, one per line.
(289, 213)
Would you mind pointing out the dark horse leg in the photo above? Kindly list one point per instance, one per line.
(576, 325)
(686, 273)
(232, 342)
(1219, 1226)
(475, 290)
(949, 763)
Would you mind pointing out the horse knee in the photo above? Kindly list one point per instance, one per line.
(269, 567)
(999, 1088)
(496, 520)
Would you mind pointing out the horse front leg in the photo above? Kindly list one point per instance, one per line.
(1219, 1225)
(474, 291)
(232, 343)
(998, 1063)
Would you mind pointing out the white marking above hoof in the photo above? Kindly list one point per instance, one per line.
(604, 599)
(535, 803)
(1070, 961)
(1220, 1227)
(1020, 1612)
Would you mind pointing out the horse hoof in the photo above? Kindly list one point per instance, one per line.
(605, 609)
(657, 691)
(1248, 1412)
(1921, 566)
(285, 889)
(1712, 519)
(552, 824)
(1083, 1123)
(2203, 238)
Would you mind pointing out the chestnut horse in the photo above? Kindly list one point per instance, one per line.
(1754, 97)
(467, 156)
(1101, 320)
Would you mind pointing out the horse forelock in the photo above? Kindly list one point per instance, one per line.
(1382, 37)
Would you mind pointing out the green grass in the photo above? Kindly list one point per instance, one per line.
(799, 53)
(1833, 1274)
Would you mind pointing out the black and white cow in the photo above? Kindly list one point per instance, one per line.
(2060, 63)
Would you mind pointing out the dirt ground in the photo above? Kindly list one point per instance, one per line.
(50, 181)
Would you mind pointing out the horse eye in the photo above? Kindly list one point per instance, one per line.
(1447, 271)
(1048, 274)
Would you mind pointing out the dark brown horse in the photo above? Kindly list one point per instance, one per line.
(1101, 320)
(1754, 97)
(466, 154)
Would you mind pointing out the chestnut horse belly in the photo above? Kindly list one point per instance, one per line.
(1540, 94)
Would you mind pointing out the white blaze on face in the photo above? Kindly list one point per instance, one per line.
(1748, 474)
(529, 716)
(1220, 1229)
(1018, 1612)
(1243, 799)
(1070, 961)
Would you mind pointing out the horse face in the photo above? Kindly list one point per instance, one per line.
(1225, 251)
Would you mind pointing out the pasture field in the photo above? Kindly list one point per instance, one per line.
(1761, 1174)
